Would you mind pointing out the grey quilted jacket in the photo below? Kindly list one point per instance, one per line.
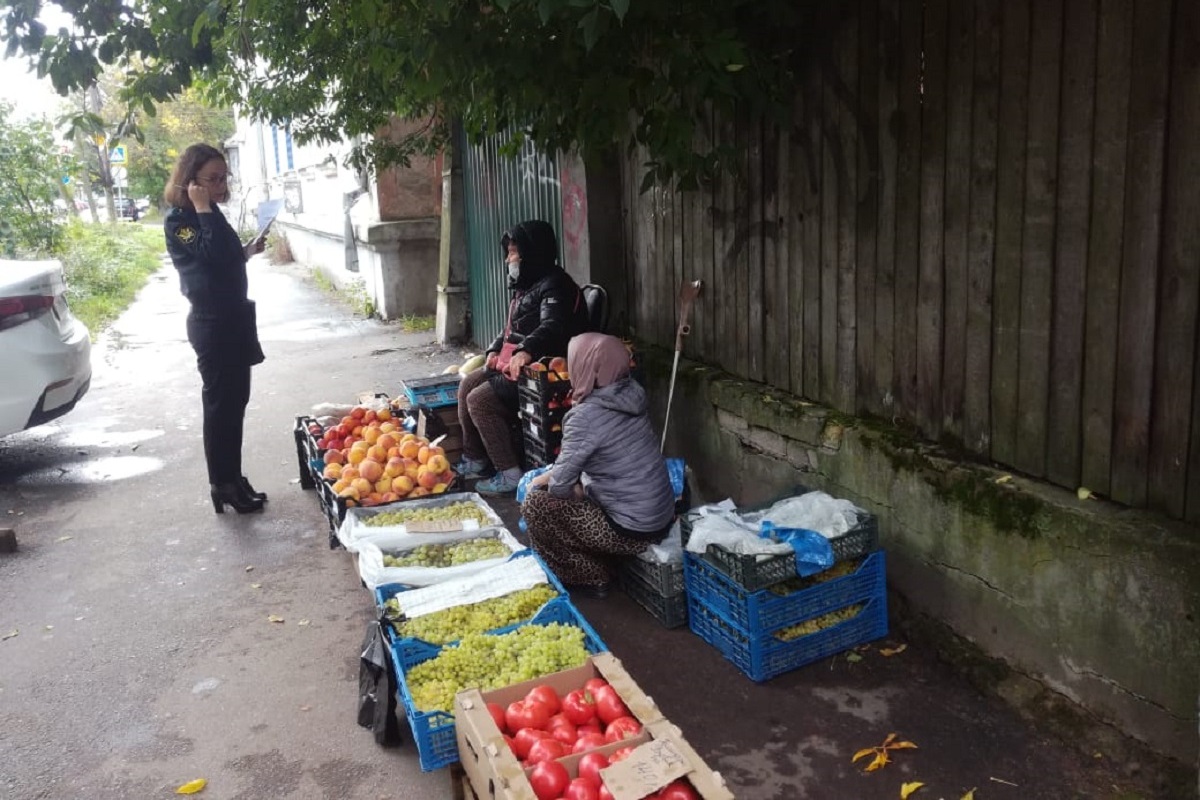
(608, 441)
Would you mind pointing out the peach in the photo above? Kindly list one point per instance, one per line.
(420, 491)
(390, 497)
(358, 431)
(368, 416)
(348, 423)
(383, 485)
(386, 441)
(339, 484)
(383, 414)
(423, 455)
(388, 427)
(438, 463)
(363, 486)
(558, 364)
(369, 501)
(349, 473)
(357, 412)
(377, 453)
(394, 452)
(394, 467)
(447, 476)
(334, 457)
(371, 435)
(408, 437)
(410, 449)
(349, 492)
(402, 485)
(332, 471)
(426, 477)
(438, 488)
(371, 470)
(356, 455)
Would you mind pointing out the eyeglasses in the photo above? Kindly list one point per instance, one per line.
(214, 180)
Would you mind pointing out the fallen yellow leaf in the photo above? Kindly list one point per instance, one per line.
(968, 796)
(902, 746)
(891, 737)
(1004, 479)
(866, 751)
(892, 651)
(881, 760)
(1083, 493)
(908, 788)
(192, 787)
(274, 618)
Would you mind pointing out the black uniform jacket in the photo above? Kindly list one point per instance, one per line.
(212, 276)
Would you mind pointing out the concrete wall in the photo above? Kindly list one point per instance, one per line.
(1096, 602)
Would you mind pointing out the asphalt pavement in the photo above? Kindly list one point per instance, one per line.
(137, 650)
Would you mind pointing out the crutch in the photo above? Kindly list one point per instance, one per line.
(688, 292)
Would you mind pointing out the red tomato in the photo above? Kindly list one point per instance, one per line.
(525, 739)
(678, 790)
(620, 754)
(592, 684)
(588, 741)
(579, 706)
(526, 714)
(497, 712)
(622, 728)
(581, 789)
(591, 726)
(547, 695)
(563, 731)
(508, 740)
(609, 704)
(549, 780)
(590, 766)
(604, 793)
(546, 750)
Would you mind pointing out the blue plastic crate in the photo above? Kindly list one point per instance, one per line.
(433, 731)
(754, 613)
(435, 392)
(764, 657)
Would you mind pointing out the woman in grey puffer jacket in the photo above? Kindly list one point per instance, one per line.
(608, 494)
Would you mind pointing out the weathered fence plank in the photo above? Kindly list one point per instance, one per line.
(847, 206)
(1070, 257)
(885, 250)
(752, 231)
(1010, 205)
(1175, 350)
(1114, 41)
(832, 179)
(1139, 280)
(814, 105)
(908, 206)
(776, 356)
(866, 211)
(1037, 238)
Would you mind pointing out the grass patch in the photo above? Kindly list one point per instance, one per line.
(413, 323)
(106, 266)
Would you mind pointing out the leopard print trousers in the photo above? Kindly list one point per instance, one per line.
(574, 538)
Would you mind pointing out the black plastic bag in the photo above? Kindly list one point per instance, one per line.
(377, 688)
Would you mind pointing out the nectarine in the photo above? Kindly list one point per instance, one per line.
(402, 485)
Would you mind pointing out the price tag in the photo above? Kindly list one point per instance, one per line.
(434, 526)
(648, 768)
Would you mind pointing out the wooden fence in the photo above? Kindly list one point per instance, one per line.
(984, 219)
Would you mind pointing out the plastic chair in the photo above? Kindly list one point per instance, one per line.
(595, 298)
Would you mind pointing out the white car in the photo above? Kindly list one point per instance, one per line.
(45, 352)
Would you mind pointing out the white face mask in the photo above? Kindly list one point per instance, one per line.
(514, 270)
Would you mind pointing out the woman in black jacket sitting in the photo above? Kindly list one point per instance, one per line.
(545, 311)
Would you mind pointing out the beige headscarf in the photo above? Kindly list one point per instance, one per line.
(595, 360)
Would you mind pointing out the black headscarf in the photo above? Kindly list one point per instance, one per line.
(538, 247)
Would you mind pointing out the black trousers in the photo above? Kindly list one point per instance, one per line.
(225, 395)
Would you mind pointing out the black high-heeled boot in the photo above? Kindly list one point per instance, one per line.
(250, 491)
(230, 494)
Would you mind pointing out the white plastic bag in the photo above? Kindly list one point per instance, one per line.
(510, 576)
(354, 527)
(730, 531)
(668, 551)
(373, 572)
(814, 511)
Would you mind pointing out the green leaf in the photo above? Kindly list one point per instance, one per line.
(590, 25)
(620, 8)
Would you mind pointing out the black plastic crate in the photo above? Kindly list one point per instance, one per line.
(670, 610)
(544, 452)
(550, 440)
(667, 579)
(531, 408)
(334, 507)
(750, 570)
(538, 384)
(308, 455)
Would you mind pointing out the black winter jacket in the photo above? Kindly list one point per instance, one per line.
(212, 276)
(547, 308)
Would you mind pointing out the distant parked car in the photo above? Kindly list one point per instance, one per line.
(127, 209)
(143, 205)
(45, 352)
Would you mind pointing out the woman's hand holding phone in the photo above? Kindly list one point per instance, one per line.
(198, 194)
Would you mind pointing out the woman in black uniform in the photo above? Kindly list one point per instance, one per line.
(221, 325)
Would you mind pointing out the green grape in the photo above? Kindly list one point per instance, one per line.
(453, 623)
(448, 555)
(490, 662)
(454, 511)
(793, 585)
(816, 624)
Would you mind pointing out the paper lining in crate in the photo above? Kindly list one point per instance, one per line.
(434, 731)
(374, 572)
(354, 527)
(717, 614)
(523, 570)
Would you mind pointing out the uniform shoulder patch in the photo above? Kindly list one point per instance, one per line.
(186, 234)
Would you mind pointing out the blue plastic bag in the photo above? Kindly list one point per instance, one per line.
(523, 489)
(814, 553)
(676, 470)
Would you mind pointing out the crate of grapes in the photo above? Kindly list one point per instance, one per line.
(426, 559)
(485, 661)
(778, 629)
(335, 507)
(435, 513)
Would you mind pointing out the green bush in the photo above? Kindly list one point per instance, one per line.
(106, 266)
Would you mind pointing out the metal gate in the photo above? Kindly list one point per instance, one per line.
(500, 192)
